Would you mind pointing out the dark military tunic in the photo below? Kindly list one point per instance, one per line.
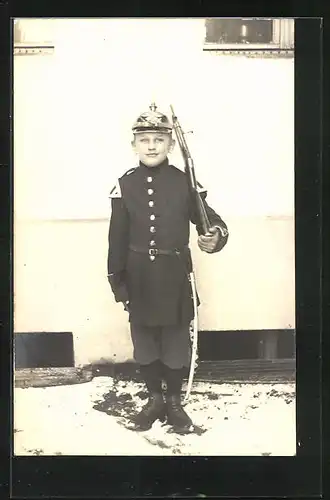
(153, 211)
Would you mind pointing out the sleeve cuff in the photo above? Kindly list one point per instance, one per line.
(222, 230)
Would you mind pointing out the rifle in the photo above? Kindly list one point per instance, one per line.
(189, 168)
(204, 222)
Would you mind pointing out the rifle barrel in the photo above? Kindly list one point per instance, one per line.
(190, 171)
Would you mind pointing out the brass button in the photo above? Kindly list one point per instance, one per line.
(151, 203)
(152, 243)
(152, 257)
(150, 191)
(149, 179)
(152, 217)
(152, 229)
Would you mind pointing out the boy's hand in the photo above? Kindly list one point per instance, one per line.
(208, 243)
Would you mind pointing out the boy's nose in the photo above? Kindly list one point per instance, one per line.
(151, 145)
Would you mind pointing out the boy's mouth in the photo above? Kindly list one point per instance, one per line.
(152, 155)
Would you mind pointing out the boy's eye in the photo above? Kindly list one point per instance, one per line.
(157, 139)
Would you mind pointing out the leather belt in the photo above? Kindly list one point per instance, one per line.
(158, 251)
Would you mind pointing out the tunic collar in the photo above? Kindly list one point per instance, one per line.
(156, 169)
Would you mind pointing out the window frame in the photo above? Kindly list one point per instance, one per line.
(33, 47)
(283, 39)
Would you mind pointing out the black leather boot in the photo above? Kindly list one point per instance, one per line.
(152, 411)
(176, 416)
(155, 408)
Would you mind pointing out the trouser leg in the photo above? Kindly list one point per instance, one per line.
(176, 346)
(146, 343)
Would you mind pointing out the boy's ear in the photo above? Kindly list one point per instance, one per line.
(172, 145)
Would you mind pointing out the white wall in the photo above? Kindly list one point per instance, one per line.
(73, 111)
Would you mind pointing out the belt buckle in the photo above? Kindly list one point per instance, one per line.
(153, 251)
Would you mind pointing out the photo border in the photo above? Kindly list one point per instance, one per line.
(134, 477)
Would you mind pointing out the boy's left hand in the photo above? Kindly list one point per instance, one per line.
(208, 243)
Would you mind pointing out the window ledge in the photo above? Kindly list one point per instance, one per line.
(244, 46)
(34, 49)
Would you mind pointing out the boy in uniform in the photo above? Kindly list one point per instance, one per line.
(149, 263)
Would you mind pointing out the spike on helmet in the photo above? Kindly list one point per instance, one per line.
(152, 120)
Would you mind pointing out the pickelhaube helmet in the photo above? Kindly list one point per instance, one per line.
(152, 121)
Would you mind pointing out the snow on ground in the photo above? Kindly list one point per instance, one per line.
(87, 419)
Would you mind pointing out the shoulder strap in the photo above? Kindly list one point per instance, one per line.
(201, 189)
(130, 171)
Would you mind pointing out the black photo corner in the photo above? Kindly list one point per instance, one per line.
(248, 477)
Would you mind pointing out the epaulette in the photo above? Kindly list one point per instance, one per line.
(116, 190)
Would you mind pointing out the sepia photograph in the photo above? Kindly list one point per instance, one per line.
(154, 237)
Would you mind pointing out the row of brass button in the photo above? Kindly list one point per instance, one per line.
(152, 243)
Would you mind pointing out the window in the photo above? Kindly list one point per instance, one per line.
(33, 36)
(249, 34)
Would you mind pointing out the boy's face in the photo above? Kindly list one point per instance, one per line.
(152, 147)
